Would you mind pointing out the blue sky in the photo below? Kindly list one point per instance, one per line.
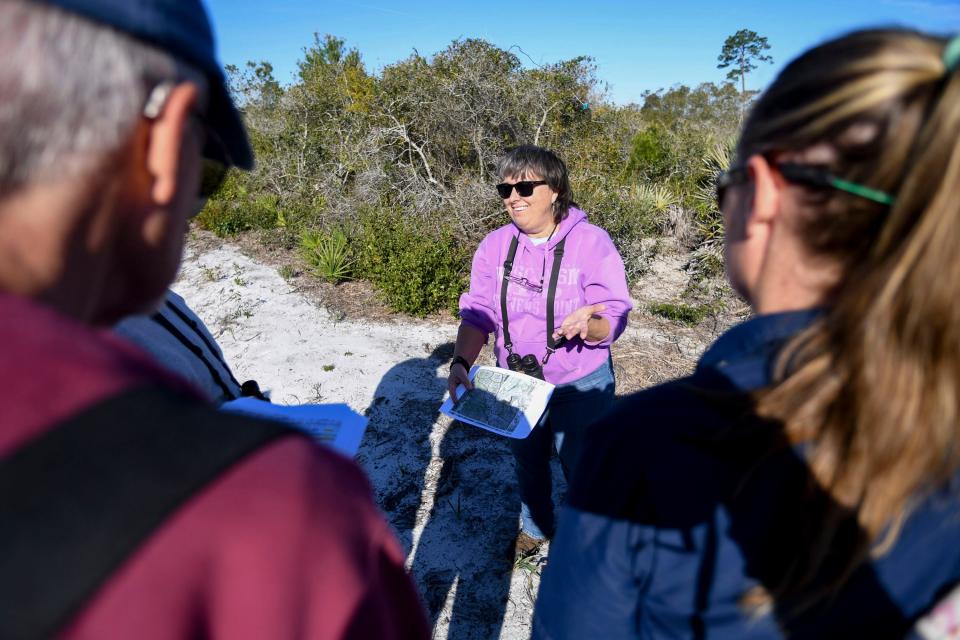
(637, 46)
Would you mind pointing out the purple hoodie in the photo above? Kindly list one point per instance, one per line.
(591, 272)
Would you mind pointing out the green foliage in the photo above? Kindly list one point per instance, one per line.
(690, 315)
(254, 84)
(286, 272)
(651, 155)
(707, 262)
(414, 272)
(705, 108)
(683, 126)
(629, 215)
(415, 146)
(708, 219)
(611, 207)
(655, 197)
(530, 563)
(328, 254)
(233, 209)
(739, 53)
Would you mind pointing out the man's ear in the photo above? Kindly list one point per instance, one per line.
(765, 203)
(165, 141)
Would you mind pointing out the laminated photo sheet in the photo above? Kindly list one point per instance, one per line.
(505, 402)
(335, 425)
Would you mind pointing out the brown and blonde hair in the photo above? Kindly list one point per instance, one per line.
(872, 390)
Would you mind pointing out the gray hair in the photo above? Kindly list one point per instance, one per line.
(524, 160)
(72, 91)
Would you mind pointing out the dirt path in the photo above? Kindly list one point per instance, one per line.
(448, 489)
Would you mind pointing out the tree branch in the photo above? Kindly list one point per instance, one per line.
(402, 130)
(543, 121)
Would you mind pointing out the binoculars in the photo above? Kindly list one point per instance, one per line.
(527, 364)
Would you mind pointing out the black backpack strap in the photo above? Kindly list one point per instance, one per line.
(210, 344)
(553, 345)
(507, 268)
(198, 352)
(78, 501)
(249, 389)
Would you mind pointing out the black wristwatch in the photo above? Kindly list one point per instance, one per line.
(460, 360)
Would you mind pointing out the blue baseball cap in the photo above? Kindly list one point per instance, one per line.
(181, 28)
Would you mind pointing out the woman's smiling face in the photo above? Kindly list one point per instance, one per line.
(532, 214)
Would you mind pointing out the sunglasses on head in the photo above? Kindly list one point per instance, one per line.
(524, 188)
(809, 175)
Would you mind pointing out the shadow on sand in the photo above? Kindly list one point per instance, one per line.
(463, 540)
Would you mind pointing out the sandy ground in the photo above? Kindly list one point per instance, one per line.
(448, 489)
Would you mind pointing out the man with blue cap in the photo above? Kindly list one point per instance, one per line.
(129, 507)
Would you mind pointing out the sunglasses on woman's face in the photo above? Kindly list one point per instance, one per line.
(524, 188)
(727, 179)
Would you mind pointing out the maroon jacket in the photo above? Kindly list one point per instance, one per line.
(286, 544)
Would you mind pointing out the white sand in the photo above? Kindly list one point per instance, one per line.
(449, 492)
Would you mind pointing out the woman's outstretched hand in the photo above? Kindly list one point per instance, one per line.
(458, 375)
(578, 322)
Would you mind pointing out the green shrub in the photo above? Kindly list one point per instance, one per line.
(231, 210)
(286, 272)
(613, 208)
(650, 154)
(328, 254)
(628, 214)
(230, 218)
(708, 218)
(240, 204)
(690, 315)
(415, 272)
(707, 262)
(654, 197)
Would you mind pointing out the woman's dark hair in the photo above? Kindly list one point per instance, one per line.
(525, 160)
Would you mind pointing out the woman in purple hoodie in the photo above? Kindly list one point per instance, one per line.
(550, 285)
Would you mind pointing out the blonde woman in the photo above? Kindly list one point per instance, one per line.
(804, 480)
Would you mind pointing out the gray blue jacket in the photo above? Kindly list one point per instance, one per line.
(678, 510)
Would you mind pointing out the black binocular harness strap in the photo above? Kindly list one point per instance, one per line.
(196, 350)
(79, 500)
(211, 346)
(551, 294)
